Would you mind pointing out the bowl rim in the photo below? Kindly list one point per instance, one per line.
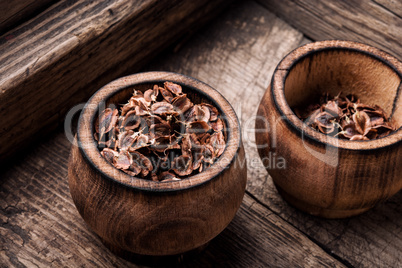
(294, 57)
(87, 143)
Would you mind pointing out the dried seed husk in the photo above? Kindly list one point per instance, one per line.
(197, 152)
(106, 121)
(174, 88)
(131, 121)
(126, 108)
(200, 113)
(349, 130)
(182, 165)
(181, 103)
(217, 125)
(375, 114)
(217, 141)
(203, 138)
(140, 102)
(198, 127)
(123, 160)
(154, 119)
(143, 162)
(164, 143)
(384, 129)
(126, 139)
(186, 145)
(163, 108)
(159, 130)
(372, 134)
(141, 141)
(208, 154)
(108, 140)
(332, 108)
(376, 121)
(324, 122)
(166, 94)
(109, 154)
(167, 176)
(359, 138)
(139, 110)
(324, 119)
(134, 169)
(363, 107)
(213, 111)
(198, 156)
(351, 116)
(362, 121)
(173, 128)
(151, 94)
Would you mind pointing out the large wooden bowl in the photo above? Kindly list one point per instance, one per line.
(324, 175)
(148, 218)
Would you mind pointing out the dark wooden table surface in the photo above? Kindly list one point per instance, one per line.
(235, 53)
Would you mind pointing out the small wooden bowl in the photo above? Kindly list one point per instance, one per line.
(324, 175)
(147, 218)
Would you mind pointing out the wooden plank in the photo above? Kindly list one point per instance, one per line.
(18, 11)
(40, 225)
(393, 6)
(237, 57)
(278, 243)
(63, 55)
(377, 23)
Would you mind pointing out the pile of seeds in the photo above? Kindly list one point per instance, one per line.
(161, 135)
(347, 118)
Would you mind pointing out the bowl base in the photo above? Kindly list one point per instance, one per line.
(319, 211)
(150, 260)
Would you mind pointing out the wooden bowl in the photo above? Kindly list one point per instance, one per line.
(148, 218)
(324, 175)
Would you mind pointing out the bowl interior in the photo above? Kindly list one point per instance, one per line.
(118, 92)
(367, 76)
(120, 97)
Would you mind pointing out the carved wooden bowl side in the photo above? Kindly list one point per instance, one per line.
(324, 175)
(150, 218)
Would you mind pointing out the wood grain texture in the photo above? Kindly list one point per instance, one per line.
(63, 55)
(156, 218)
(40, 226)
(239, 54)
(237, 57)
(393, 6)
(318, 179)
(234, 54)
(377, 23)
(16, 12)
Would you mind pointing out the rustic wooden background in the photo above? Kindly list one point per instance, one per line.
(62, 56)
(235, 53)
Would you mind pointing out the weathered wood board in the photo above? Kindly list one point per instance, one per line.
(237, 57)
(236, 54)
(40, 226)
(16, 12)
(60, 57)
(377, 22)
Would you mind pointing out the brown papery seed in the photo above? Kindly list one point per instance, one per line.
(161, 135)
